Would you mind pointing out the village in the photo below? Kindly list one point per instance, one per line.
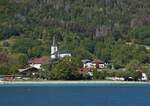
(34, 68)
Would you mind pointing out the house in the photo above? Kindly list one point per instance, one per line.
(87, 63)
(38, 62)
(144, 77)
(99, 64)
(90, 65)
(55, 53)
(95, 64)
(30, 72)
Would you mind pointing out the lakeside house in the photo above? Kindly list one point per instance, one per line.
(99, 64)
(89, 66)
(29, 72)
(34, 66)
(93, 64)
(38, 62)
(144, 76)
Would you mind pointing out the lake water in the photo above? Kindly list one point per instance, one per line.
(75, 95)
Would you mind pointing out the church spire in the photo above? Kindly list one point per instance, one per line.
(54, 49)
(54, 41)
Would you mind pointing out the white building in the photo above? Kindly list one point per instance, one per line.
(54, 49)
(88, 65)
(62, 55)
(99, 64)
(55, 53)
(144, 77)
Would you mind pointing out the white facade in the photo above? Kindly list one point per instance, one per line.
(144, 77)
(64, 55)
(93, 65)
(37, 66)
(54, 50)
(88, 65)
(55, 54)
(101, 65)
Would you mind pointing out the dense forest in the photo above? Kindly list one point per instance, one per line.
(116, 31)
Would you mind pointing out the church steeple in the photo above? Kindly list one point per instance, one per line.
(55, 53)
(54, 41)
(54, 49)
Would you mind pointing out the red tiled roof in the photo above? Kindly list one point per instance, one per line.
(98, 61)
(41, 60)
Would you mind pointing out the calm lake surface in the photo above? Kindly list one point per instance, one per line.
(75, 95)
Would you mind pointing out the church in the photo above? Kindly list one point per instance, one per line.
(55, 53)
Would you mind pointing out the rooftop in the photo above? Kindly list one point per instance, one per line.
(40, 60)
(98, 61)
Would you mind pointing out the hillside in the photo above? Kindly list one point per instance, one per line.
(83, 16)
(92, 28)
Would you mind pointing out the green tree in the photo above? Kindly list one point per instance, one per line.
(67, 69)
(99, 75)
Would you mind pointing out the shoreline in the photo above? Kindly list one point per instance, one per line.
(72, 82)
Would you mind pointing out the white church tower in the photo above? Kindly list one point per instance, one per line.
(54, 49)
(55, 53)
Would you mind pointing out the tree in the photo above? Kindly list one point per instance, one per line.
(67, 69)
(25, 46)
(18, 59)
(99, 75)
(3, 57)
(81, 53)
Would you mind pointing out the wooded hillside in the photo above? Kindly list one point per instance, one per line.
(106, 29)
